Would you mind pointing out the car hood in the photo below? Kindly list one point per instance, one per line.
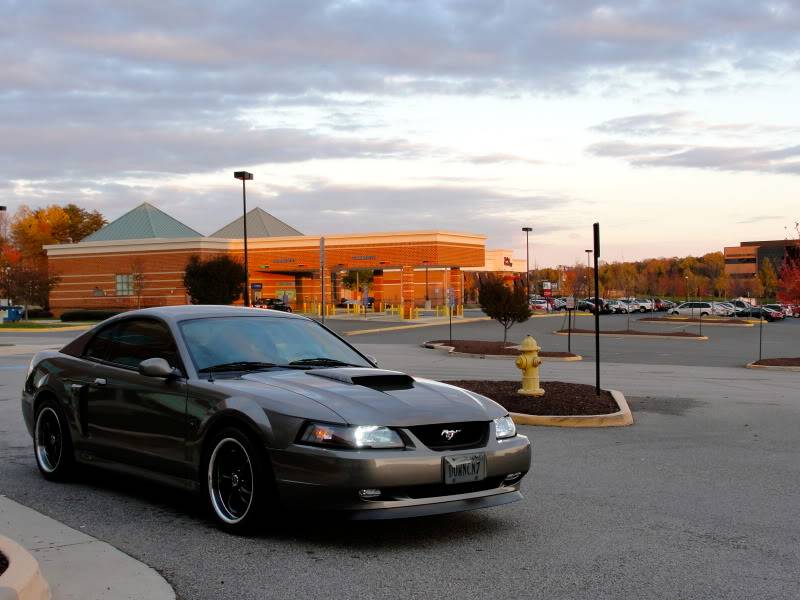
(364, 396)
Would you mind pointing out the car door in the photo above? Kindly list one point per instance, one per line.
(131, 418)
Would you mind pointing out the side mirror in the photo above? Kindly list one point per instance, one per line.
(372, 359)
(156, 367)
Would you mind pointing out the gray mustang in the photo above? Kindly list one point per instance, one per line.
(259, 410)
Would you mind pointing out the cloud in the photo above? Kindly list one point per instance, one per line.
(785, 160)
(323, 207)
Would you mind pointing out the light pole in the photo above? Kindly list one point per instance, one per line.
(527, 231)
(686, 277)
(588, 268)
(245, 176)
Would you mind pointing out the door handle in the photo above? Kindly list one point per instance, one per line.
(99, 381)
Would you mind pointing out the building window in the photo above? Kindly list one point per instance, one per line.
(740, 261)
(124, 285)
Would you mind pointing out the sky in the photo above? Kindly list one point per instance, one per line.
(674, 124)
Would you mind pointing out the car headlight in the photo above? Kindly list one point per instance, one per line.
(345, 436)
(504, 427)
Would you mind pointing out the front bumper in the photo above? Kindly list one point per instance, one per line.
(410, 480)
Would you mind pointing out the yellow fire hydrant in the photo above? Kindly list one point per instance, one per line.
(528, 362)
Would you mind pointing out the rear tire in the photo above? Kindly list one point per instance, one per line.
(239, 486)
(52, 444)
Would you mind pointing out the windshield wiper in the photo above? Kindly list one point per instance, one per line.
(242, 365)
(321, 361)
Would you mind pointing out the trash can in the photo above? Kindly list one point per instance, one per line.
(13, 315)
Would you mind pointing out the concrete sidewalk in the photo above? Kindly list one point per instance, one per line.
(77, 566)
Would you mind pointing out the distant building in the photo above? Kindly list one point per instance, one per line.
(139, 259)
(742, 262)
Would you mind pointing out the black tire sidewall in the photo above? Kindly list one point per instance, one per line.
(64, 469)
(263, 483)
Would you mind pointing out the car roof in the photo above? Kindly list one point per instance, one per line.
(199, 311)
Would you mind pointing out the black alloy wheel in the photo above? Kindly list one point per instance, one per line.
(238, 485)
(52, 445)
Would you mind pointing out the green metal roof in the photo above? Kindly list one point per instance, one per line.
(260, 224)
(144, 221)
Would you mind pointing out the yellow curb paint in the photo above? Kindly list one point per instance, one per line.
(45, 329)
(414, 326)
(23, 576)
(648, 336)
(622, 418)
(772, 367)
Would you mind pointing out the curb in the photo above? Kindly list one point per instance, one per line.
(622, 418)
(450, 351)
(705, 323)
(414, 326)
(696, 338)
(44, 329)
(23, 579)
(752, 365)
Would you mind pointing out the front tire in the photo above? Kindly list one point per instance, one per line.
(239, 486)
(52, 444)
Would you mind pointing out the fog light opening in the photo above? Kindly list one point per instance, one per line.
(369, 493)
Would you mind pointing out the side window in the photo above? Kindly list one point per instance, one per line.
(98, 346)
(138, 339)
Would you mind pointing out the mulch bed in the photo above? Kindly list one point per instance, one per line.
(3, 563)
(560, 398)
(493, 348)
(779, 362)
(715, 320)
(636, 332)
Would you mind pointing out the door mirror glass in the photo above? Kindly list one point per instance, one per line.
(155, 367)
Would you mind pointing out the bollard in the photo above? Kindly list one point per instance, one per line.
(528, 362)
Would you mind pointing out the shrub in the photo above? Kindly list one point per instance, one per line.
(217, 280)
(504, 305)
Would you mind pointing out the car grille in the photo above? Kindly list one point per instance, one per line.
(468, 435)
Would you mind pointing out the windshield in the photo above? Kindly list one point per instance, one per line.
(260, 342)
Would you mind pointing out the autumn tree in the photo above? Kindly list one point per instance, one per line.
(789, 283)
(217, 280)
(768, 278)
(504, 305)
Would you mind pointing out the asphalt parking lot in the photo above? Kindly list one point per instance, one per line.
(726, 346)
(699, 499)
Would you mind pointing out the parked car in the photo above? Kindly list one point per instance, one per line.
(275, 304)
(693, 309)
(604, 309)
(786, 310)
(559, 304)
(667, 305)
(757, 312)
(617, 306)
(722, 309)
(261, 409)
(540, 305)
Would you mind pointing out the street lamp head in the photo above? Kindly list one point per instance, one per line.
(243, 175)
(588, 251)
(527, 229)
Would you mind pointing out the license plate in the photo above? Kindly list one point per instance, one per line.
(464, 468)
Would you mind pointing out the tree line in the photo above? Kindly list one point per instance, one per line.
(695, 276)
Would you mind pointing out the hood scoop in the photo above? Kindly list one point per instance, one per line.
(376, 379)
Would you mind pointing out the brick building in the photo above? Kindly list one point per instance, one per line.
(138, 260)
(743, 261)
